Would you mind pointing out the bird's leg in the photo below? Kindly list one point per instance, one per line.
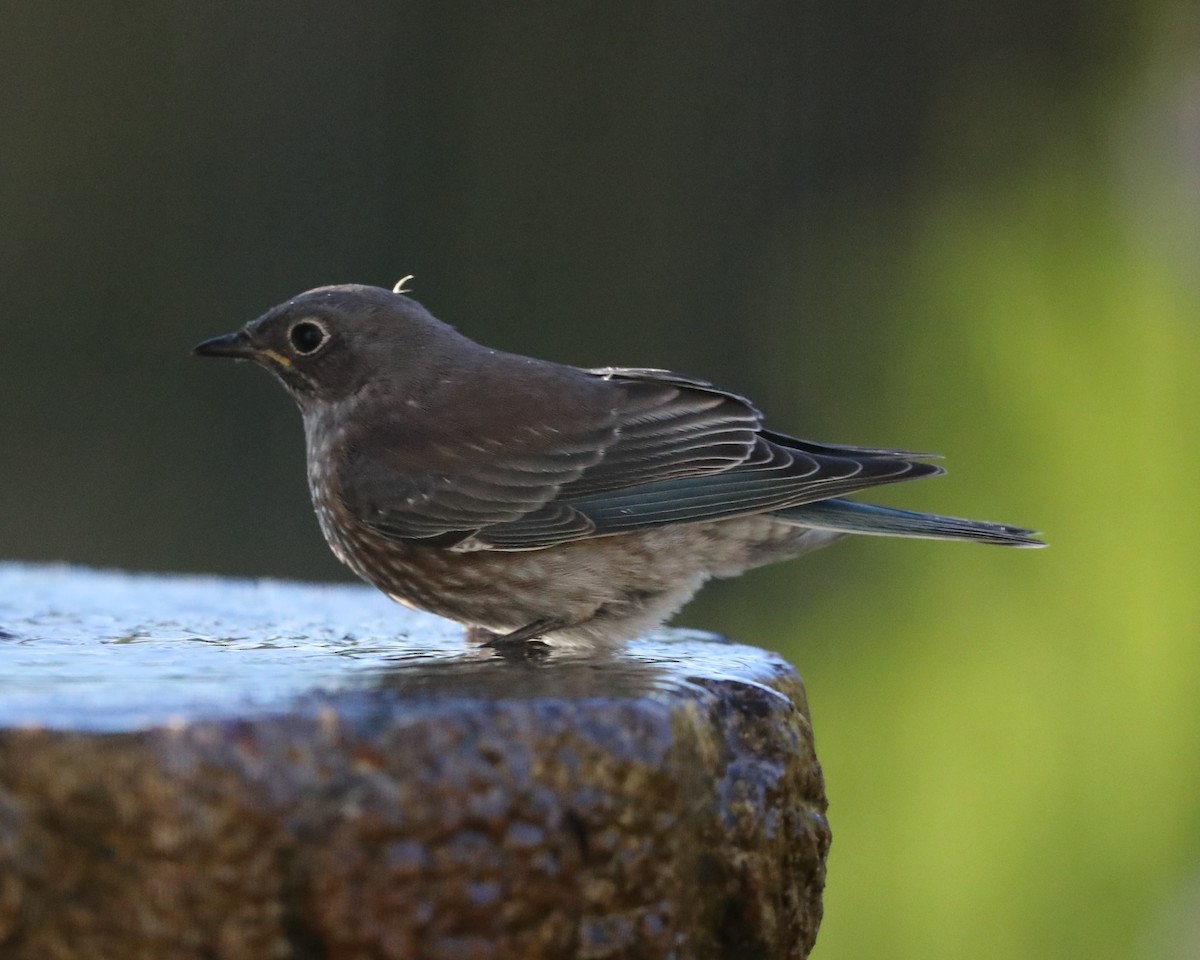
(523, 638)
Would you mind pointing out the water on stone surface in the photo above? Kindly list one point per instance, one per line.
(82, 649)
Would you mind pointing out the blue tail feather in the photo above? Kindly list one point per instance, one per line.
(849, 516)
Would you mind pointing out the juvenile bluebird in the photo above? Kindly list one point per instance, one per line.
(527, 499)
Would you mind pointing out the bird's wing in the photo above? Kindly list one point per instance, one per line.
(650, 448)
(442, 492)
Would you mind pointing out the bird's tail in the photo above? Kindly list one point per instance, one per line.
(849, 516)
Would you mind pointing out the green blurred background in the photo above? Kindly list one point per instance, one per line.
(960, 226)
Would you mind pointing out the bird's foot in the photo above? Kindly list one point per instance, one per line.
(521, 644)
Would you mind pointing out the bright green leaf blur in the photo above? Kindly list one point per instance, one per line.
(1014, 758)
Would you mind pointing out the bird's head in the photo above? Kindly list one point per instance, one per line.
(327, 344)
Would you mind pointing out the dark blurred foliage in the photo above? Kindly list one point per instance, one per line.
(960, 226)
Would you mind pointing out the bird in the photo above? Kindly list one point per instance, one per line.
(545, 505)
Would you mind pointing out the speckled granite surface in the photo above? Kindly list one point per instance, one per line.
(202, 768)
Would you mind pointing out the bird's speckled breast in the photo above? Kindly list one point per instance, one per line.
(482, 587)
(324, 435)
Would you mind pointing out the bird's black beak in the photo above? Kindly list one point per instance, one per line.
(230, 345)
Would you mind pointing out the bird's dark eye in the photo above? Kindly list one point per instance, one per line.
(307, 337)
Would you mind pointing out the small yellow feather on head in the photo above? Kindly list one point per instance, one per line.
(399, 287)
